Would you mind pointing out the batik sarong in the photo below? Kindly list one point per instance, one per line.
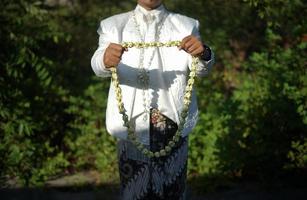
(154, 178)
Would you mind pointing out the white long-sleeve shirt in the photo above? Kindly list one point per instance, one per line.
(167, 71)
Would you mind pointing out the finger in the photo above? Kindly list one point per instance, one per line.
(106, 59)
(184, 41)
(116, 46)
(118, 49)
(115, 52)
(193, 47)
(114, 60)
(189, 44)
(111, 60)
(197, 51)
(112, 64)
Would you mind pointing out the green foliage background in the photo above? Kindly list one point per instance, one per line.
(253, 104)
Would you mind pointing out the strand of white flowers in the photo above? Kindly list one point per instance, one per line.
(186, 101)
(143, 72)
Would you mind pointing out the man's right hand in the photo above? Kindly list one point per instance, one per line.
(113, 55)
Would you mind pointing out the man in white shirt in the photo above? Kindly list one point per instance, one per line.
(152, 82)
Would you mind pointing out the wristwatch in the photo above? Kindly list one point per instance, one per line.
(206, 55)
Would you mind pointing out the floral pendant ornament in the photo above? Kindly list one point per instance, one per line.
(157, 119)
(143, 77)
(186, 102)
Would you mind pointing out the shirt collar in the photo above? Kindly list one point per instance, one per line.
(157, 12)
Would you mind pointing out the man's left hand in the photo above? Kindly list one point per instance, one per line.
(192, 45)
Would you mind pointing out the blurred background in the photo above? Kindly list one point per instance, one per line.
(251, 134)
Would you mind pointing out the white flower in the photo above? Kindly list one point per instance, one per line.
(158, 118)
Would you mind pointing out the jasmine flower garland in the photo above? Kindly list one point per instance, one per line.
(186, 102)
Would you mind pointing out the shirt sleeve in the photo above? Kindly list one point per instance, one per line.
(204, 65)
(97, 59)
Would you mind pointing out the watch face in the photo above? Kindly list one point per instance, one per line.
(207, 54)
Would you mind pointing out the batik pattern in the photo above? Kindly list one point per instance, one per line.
(143, 178)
